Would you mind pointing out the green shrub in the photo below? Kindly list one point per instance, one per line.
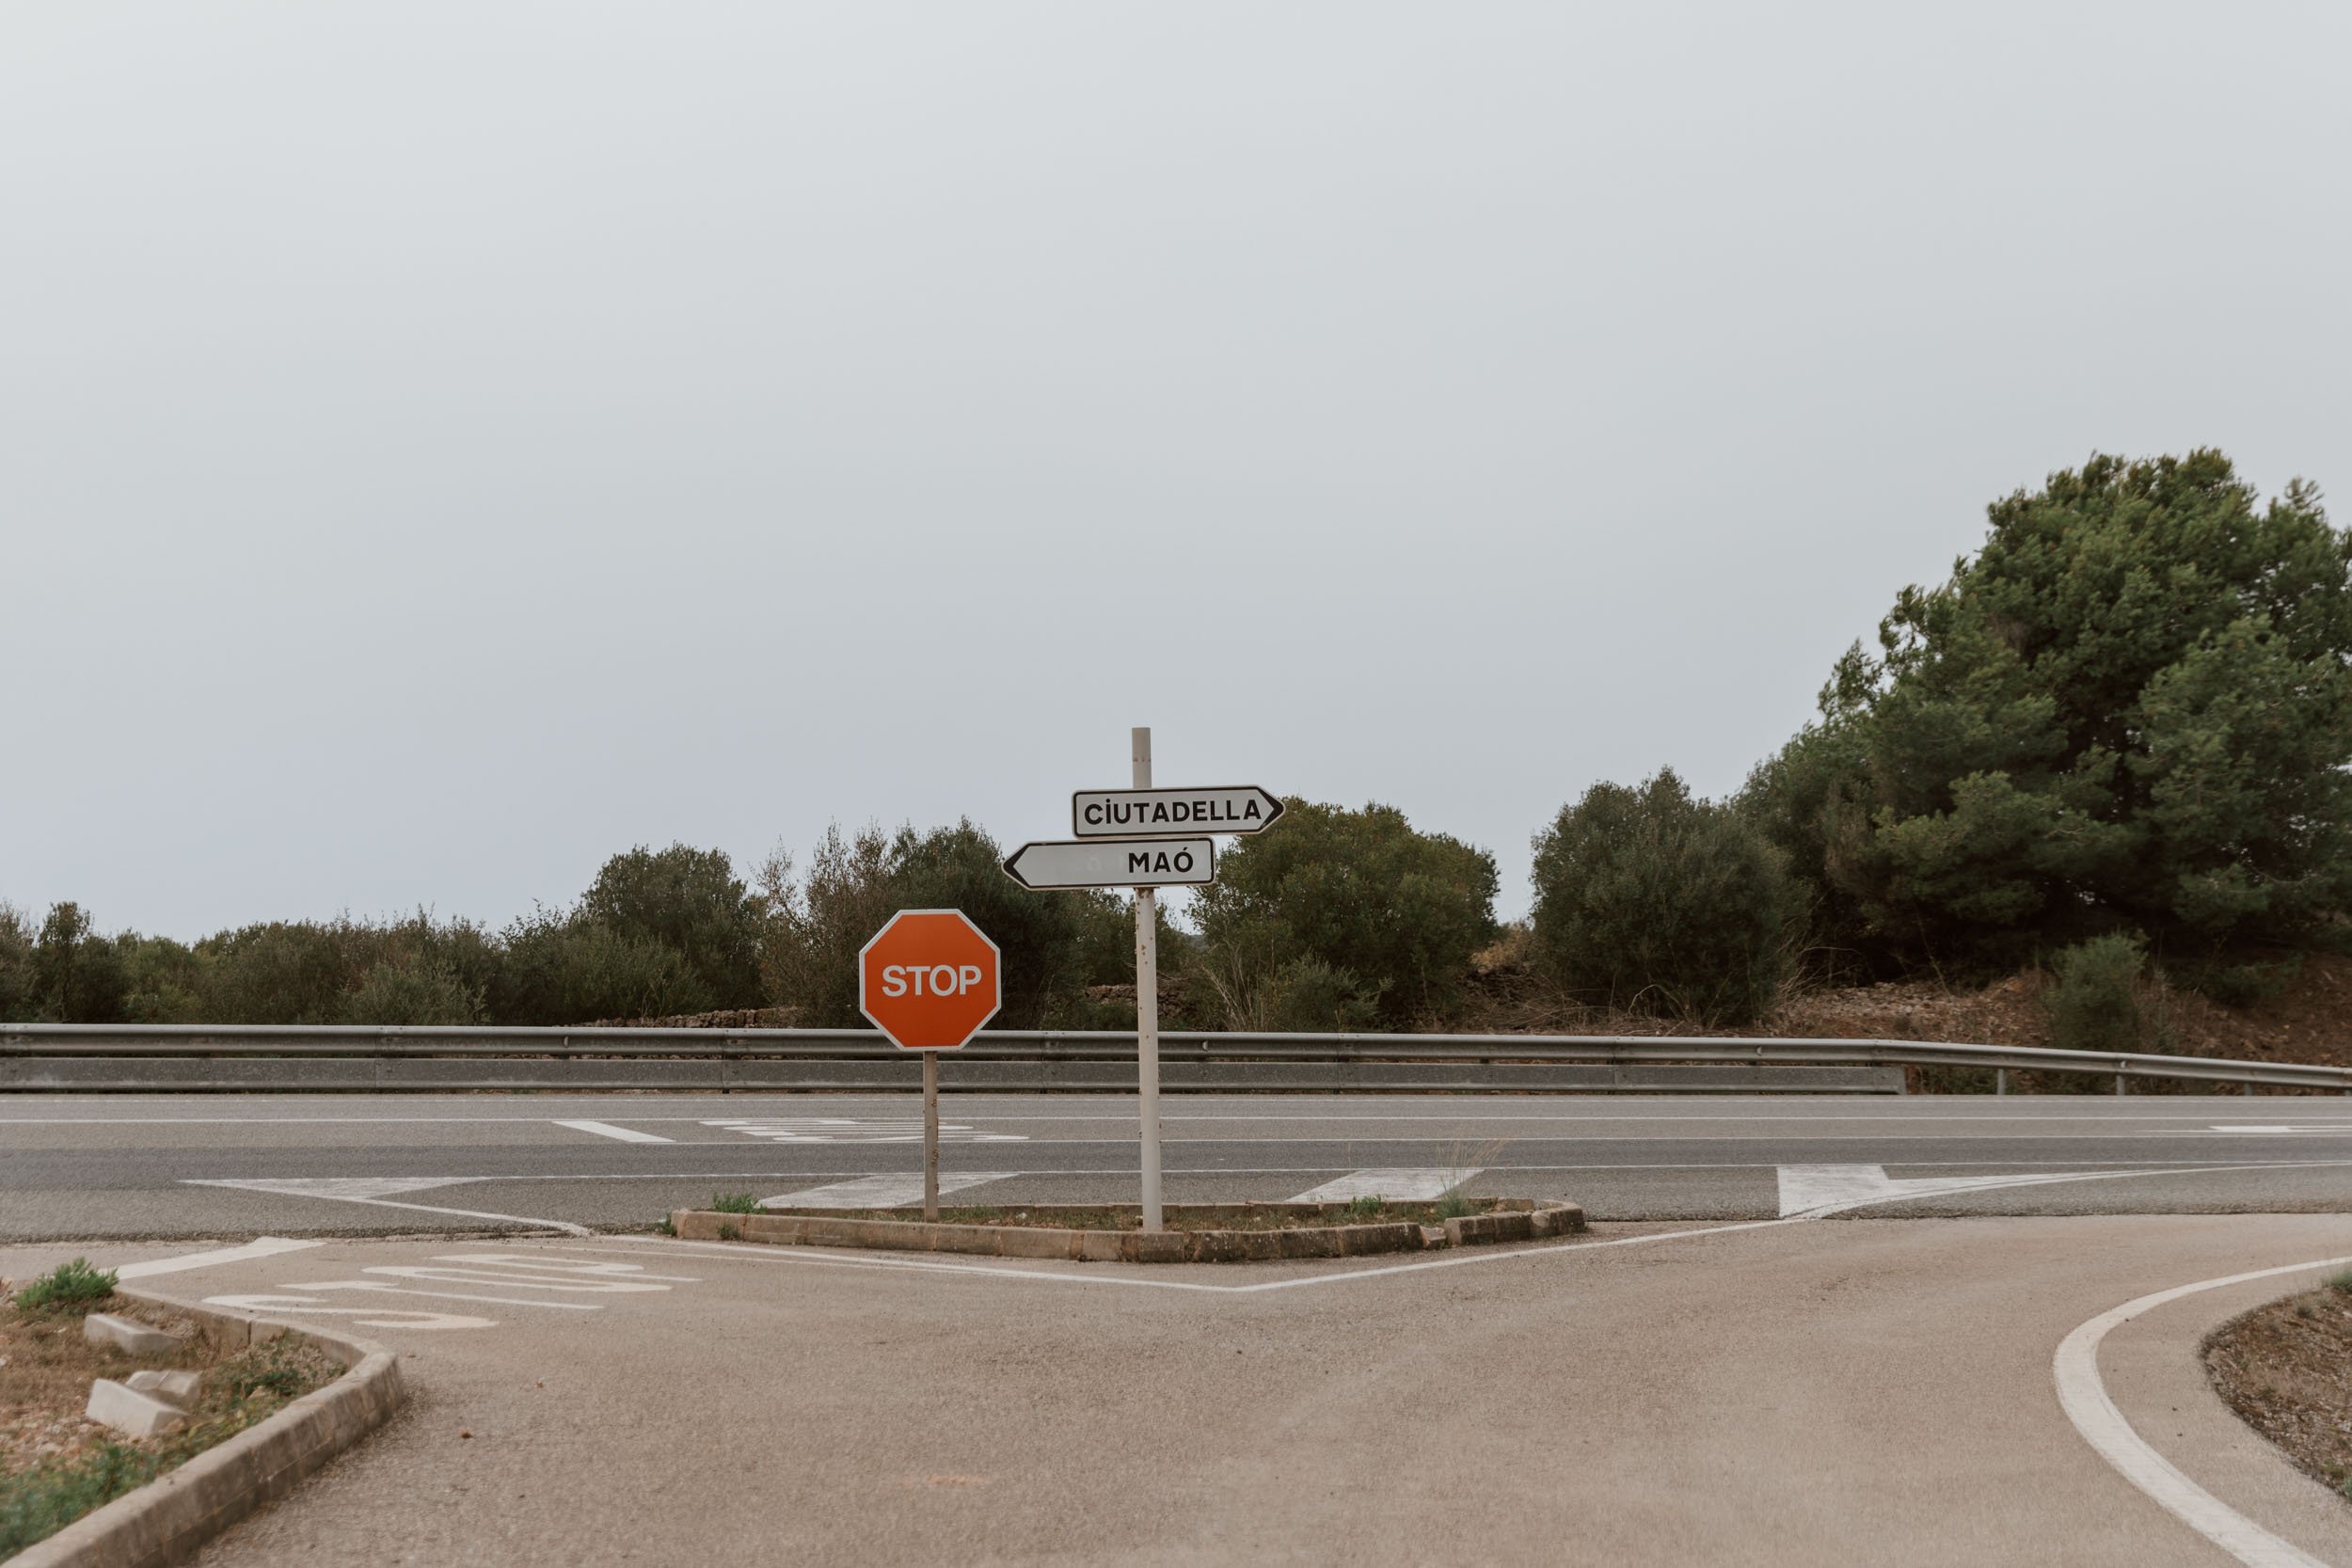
(39, 1503)
(2094, 997)
(78, 977)
(735, 1203)
(690, 902)
(819, 921)
(69, 1284)
(560, 970)
(1308, 996)
(1654, 900)
(1388, 915)
(18, 1003)
(416, 994)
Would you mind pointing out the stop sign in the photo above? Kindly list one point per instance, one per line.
(928, 979)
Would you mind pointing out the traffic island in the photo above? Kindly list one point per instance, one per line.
(1112, 1233)
(131, 1435)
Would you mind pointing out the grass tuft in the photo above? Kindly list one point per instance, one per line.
(1453, 1206)
(2340, 1281)
(69, 1286)
(1366, 1207)
(735, 1203)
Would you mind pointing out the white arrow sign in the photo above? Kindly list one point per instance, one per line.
(1169, 813)
(1114, 863)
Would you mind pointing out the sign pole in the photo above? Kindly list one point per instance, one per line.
(930, 1136)
(1148, 1008)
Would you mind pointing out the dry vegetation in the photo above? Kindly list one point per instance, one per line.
(2286, 1369)
(55, 1465)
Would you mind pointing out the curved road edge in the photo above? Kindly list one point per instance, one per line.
(2084, 1395)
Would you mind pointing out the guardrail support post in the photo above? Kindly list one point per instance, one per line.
(2000, 1080)
(2119, 1082)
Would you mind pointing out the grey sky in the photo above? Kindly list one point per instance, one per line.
(442, 444)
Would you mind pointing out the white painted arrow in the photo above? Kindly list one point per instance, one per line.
(1831, 1189)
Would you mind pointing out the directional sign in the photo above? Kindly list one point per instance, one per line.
(1114, 863)
(1171, 812)
(928, 979)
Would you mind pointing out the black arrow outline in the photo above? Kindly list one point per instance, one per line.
(1272, 818)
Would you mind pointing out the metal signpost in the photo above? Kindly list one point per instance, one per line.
(928, 979)
(1145, 839)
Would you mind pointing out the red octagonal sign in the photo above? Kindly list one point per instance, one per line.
(928, 979)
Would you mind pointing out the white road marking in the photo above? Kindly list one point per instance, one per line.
(353, 1187)
(367, 1317)
(847, 1129)
(2084, 1395)
(529, 1263)
(1805, 1188)
(266, 1246)
(1398, 1185)
(879, 1192)
(448, 1295)
(605, 1128)
(313, 1190)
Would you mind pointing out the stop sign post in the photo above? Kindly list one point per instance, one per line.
(930, 979)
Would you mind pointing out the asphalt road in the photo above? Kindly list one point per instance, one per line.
(121, 1168)
(1779, 1393)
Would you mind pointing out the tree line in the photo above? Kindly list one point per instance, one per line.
(2116, 736)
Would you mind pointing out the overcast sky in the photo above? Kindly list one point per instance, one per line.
(442, 444)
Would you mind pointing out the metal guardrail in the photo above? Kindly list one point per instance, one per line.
(22, 1045)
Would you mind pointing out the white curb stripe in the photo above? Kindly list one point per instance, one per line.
(2095, 1414)
(606, 1129)
(266, 1246)
(1398, 1185)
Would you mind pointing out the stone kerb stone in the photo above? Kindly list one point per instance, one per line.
(1520, 1219)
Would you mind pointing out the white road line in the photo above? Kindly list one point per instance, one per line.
(2084, 1395)
(606, 1129)
(1804, 1188)
(564, 1226)
(447, 1296)
(879, 1192)
(1398, 1185)
(266, 1246)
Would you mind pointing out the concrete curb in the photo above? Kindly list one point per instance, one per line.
(168, 1518)
(1522, 1220)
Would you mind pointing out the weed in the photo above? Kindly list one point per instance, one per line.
(67, 1286)
(728, 1232)
(1453, 1206)
(664, 1227)
(735, 1203)
(1366, 1207)
(2340, 1282)
(287, 1383)
(39, 1503)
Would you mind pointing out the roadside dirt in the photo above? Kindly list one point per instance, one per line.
(2286, 1369)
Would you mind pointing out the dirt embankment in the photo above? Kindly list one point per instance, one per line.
(2309, 1019)
(2286, 1369)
